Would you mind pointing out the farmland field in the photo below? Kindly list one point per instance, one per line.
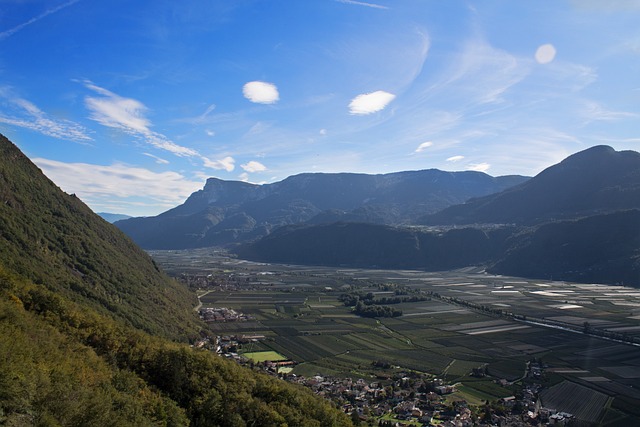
(466, 319)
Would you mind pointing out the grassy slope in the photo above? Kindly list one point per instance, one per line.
(54, 239)
(84, 321)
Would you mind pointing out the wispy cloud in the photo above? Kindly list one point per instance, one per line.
(128, 115)
(158, 160)
(368, 103)
(479, 167)
(97, 184)
(27, 115)
(253, 166)
(595, 111)
(12, 31)
(261, 92)
(455, 159)
(362, 3)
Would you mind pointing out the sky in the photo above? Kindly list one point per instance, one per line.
(132, 105)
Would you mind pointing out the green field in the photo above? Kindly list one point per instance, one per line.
(299, 312)
(264, 356)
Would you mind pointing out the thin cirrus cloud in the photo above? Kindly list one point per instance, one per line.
(27, 115)
(158, 160)
(362, 3)
(455, 159)
(127, 114)
(261, 92)
(254, 166)
(368, 103)
(12, 31)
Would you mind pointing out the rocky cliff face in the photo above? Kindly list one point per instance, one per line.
(225, 212)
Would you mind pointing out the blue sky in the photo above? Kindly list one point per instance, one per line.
(133, 104)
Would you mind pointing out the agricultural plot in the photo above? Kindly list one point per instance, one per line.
(264, 356)
(586, 404)
(298, 310)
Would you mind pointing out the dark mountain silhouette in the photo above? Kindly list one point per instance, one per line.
(593, 181)
(596, 249)
(229, 211)
(578, 220)
(376, 246)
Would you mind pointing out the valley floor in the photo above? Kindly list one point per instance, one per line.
(492, 337)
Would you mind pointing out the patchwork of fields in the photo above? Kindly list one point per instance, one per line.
(299, 312)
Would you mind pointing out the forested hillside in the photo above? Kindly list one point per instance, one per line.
(84, 321)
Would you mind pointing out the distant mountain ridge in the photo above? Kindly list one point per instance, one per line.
(578, 220)
(112, 217)
(226, 212)
(594, 181)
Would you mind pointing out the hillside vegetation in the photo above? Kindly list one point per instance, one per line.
(85, 318)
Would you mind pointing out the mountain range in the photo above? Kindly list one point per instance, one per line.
(226, 212)
(578, 220)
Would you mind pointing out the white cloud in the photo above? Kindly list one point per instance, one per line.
(244, 177)
(323, 132)
(228, 163)
(132, 186)
(545, 53)
(158, 160)
(210, 133)
(361, 3)
(479, 167)
(423, 146)
(595, 111)
(27, 115)
(254, 166)
(261, 92)
(455, 159)
(128, 115)
(368, 103)
(12, 31)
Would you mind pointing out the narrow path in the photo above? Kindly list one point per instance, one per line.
(197, 307)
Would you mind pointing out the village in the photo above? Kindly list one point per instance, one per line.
(404, 399)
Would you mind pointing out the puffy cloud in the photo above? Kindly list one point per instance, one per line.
(244, 177)
(128, 115)
(545, 53)
(455, 159)
(423, 146)
(479, 167)
(228, 163)
(261, 92)
(368, 103)
(254, 166)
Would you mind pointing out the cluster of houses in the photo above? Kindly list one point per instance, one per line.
(222, 314)
(408, 397)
